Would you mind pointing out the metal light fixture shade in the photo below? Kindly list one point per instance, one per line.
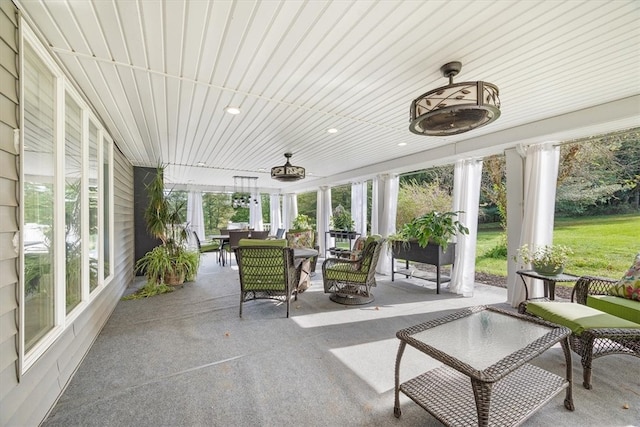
(455, 108)
(288, 172)
(244, 197)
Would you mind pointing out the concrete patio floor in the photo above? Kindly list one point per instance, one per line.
(187, 359)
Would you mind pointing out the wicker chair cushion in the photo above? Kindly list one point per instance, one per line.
(621, 307)
(275, 243)
(300, 239)
(629, 286)
(344, 273)
(577, 317)
(262, 270)
(356, 251)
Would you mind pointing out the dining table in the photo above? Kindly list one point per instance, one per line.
(221, 238)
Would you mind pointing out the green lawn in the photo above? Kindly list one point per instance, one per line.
(603, 246)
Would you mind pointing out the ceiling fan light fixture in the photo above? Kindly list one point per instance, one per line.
(455, 108)
(287, 172)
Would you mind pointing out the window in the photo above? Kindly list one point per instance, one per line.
(66, 204)
(93, 192)
(73, 202)
(38, 196)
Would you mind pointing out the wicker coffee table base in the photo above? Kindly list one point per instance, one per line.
(445, 393)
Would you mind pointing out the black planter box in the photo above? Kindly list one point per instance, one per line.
(432, 254)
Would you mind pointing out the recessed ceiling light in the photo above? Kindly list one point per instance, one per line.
(402, 144)
(232, 110)
(262, 170)
(332, 130)
(201, 164)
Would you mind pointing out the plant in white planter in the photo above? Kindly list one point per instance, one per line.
(547, 259)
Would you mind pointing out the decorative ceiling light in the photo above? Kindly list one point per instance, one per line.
(244, 197)
(287, 172)
(455, 108)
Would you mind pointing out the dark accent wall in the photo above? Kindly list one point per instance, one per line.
(143, 241)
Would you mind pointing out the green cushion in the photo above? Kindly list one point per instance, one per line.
(275, 243)
(577, 317)
(621, 307)
(344, 273)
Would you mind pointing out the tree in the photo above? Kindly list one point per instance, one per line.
(217, 211)
(416, 199)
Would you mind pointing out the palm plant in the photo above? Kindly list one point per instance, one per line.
(171, 262)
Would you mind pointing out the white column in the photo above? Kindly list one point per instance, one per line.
(383, 214)
(466, 199)
(359, 206)
(323, 213)
(540, 180)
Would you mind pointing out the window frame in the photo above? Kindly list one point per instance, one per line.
(63, 88)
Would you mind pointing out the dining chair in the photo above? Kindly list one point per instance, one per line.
(261, 235)
(267, 271)
(234, 240)
(224, 246)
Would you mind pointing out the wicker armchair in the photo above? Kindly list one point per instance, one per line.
(595, 343)
(267, 271)
(349, 281)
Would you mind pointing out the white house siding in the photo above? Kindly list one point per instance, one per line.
(26, 400)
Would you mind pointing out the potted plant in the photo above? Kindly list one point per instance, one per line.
(426, 240)
(432, 227)
(547, 259)
(301, 223)
(341, 220)
(171, 262)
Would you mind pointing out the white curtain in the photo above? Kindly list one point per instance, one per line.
(540, 179)
(323, 213)
(255, 212)
(275, 212)
(289, 209)
(466, 198)
(359, 206)
(195, 215)
(383, 214)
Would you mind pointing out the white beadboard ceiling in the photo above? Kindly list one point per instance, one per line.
(159, 74)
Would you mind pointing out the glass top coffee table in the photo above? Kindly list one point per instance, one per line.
(485, 378)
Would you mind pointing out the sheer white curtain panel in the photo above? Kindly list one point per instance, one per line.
(383, 214)
(540, 180)
(289, 209)
(466, 199)
(323, 213)
(359, 206)
(255, 212)
(275, 212)
(195, 214)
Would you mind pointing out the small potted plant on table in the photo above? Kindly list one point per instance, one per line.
(548, 260)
